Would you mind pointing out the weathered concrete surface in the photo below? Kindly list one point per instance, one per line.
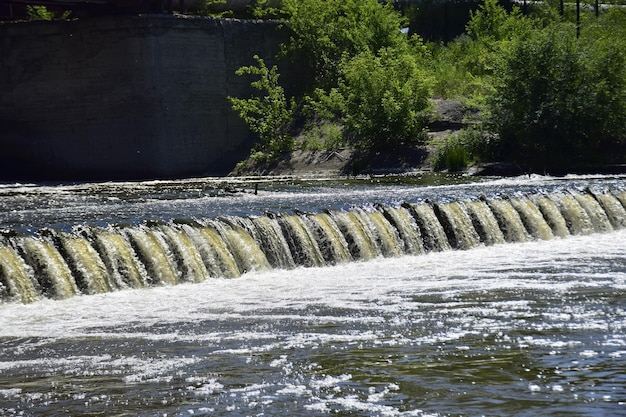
(126, 97)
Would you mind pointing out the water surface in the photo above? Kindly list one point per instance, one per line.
(517, 329)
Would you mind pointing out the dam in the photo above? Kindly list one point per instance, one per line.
(128, 96)
(91, 259)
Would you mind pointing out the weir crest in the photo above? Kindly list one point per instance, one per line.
(93, 260)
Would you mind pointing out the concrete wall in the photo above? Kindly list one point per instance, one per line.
(126, 97)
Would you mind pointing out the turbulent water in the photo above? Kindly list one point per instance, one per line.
(520, 324)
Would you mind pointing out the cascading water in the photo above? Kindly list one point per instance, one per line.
(101, 259)
(368, 297)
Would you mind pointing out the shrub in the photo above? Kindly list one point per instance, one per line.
(271, 116)
(464, 148)
(464, 68)
(491, 22)
(327, 32)
(381, 100)
(461, 69)
(320, 135)
(560, 100)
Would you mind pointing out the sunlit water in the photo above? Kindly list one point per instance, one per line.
(525, 329)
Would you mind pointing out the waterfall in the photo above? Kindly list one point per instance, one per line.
(51, 271)
(431, 230)
(552, 215)
(361, 242)
(218, 253)
(406, 226)
(125, 270)
(16, 281)
(301, 241)
(332, 243)
(484, 222)
(613, 208)
(186, 254)
(457, 225)
(156, 254)
(87, 267)
(532, 219)
(576, 218)
(92, 260)
(246, 251)
(387, 237)
(597, 216)
(267, 232)
(509, 220)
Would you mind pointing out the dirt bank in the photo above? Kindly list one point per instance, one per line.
(448, 117)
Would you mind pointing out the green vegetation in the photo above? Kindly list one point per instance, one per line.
(271, 116)
(468, 146)
(560, 101)
(42, 13)
(382, 100)
(329, 32)
(551, 90)
(368, 76)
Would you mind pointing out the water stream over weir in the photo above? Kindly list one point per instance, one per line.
(93, 259)
(394, 297)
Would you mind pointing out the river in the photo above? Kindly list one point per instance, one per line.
(516, 328)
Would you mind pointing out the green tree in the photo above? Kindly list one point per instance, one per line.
(491, 22)
(327, 32)
(367, 81)
(270, 115)
(560, 101)
(42, 13)
(464, 68)
(382, 100)
(266, 9)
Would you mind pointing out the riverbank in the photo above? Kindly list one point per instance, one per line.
(449, 117)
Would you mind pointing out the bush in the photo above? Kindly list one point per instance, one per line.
(461, 69)
(467, 147)
(559, 101)
(491, 22)
(382, 101)
(464, 68)
(321, 135)
(271, 116)
(327, 32)
(453, 157)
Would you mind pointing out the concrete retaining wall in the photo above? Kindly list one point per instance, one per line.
(126, 97)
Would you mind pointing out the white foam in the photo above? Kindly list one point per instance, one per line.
(347, 287)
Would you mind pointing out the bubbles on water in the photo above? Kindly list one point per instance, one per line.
(439, 334)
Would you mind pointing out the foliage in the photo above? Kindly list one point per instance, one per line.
(461, 69)
(264, 9)
(464, 68)
(42, 13)
(381, 100)
(471, 145)
(211, 8)
(39, 13)
(551, 100)
(560, 100)
(451, 155)
(270, 115)
(319, 135)
(491, 22)
(328, 32)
